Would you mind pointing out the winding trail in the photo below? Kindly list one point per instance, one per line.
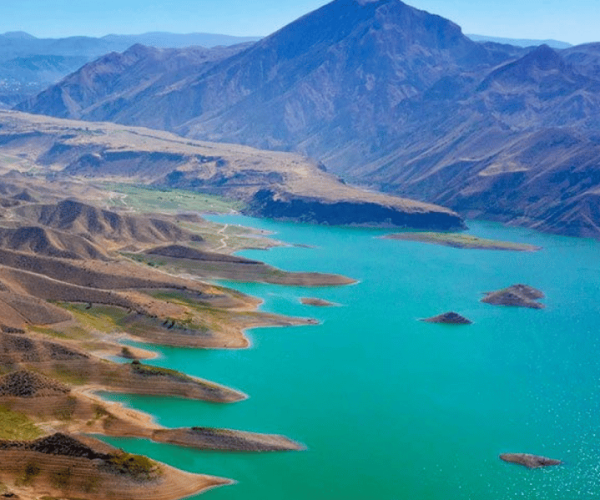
(224, 238)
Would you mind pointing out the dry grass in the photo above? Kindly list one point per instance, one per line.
(17, 426)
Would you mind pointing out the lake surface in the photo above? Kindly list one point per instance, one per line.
(392, 408)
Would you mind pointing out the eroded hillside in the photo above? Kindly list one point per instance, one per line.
(274, 184)
(77, 280)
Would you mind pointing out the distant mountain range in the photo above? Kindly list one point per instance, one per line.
(521, 42)
(385, 95)
(29, 64)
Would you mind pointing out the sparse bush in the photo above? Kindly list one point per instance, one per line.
(61, 478)
(91, 484)
(32, 470)
(127, 353)
(67, 411)
(154, 371)
(136, 466)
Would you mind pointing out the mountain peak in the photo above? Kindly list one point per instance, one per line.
(18, 35)
(364, 2)
(543, 57)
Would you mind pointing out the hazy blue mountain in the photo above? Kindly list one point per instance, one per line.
(29, 64)
(521, 42)
(174, 40)
(390, 96)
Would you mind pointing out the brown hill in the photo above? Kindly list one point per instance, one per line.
(214, 265)
(62, 360)
(27, 384)
(280, 185)
(79, 218)
(44, 241)
(20, 308)
(62, 465)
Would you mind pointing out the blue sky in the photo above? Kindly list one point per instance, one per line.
(574, 22)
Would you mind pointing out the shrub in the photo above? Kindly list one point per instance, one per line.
(136, 466)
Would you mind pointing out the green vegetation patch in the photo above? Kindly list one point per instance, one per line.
(16, 426)
(136, 466)
(32, 470)
(157, 371)
(69, 375)
(61, 478)
(102, 318)
(458, 240)
(151, 199)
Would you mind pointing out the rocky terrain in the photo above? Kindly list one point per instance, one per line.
(60, 465)
(449, 318)
(516, 296)
(271, 184)
(231, 267)
(392, 97)
(529, 461)
(73, 285)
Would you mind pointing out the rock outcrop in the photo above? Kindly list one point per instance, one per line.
(515, 296)
(449, 318)
(529, 461)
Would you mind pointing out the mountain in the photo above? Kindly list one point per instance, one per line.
(521, 42)
(164, 40)
(393, 97)
(29, 64)
(107, 84)
(336, 71)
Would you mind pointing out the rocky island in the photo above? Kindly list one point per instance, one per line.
(459, 240)
(449, 318)
(529, 461)
(315, 302)
(515, 296)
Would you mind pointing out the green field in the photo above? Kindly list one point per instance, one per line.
(149, 199)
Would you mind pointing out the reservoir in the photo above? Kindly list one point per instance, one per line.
(389, 407)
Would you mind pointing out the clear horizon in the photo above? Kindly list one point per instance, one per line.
(536, 19)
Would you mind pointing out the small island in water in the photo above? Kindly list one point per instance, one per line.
(516, 296)
(449, 318)
(529, 461)
(459, 240)
(311, 301)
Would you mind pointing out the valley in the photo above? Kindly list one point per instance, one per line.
(338, 184)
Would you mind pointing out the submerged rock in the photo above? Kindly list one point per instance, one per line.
(529, 461)
(515, 296)
(449, 318)
(309, 301)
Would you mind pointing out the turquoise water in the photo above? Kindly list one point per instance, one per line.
(392, 408)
